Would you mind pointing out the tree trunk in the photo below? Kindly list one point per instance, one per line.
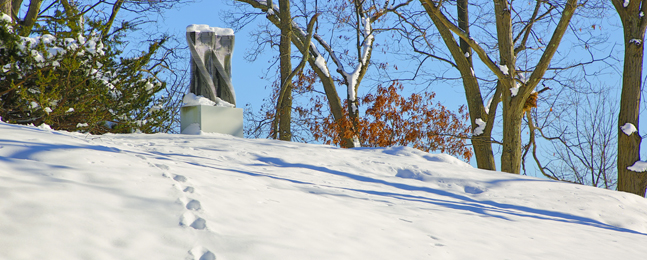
(505, 71)
(5, 7)
(15, 4)
(629, 145)
(481, 143)
(30, 17)
(285, 52)
(511, 153)
(330, 89)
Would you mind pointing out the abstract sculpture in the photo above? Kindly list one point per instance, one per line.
(211, 50)
(211, 106)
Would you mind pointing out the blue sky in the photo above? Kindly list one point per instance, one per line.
(246, 76)
(249, 87)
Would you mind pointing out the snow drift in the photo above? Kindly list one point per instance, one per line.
(77, 196)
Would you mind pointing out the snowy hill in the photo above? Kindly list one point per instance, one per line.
(75, 196)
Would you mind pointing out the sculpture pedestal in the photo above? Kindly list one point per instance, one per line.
(211, 119)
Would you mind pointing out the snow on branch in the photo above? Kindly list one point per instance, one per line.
(628, 129)
(635, 41)
(5, 17)
(489, 103)
(481, 127)
(272, 13)
(638, 166)
(367, 45)
(504, 69)
(515, 90)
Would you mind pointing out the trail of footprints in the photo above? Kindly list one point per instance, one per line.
(190, 217)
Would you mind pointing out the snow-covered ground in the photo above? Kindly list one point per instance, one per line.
(76, 196)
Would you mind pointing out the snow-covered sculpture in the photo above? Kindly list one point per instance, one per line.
(211, 49)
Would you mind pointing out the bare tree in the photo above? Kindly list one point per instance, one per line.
(634, 23)
(357, 18)
(514, 35)
(584, 144)
(284, 102)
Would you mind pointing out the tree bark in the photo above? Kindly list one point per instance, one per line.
(629, 145)
(30, 17)
(5, 7)
(15, 5)
(512, 116)
(512, 104)
(511, 153)
(330, 89)
(115, 9)
(285, 52)
(481, 143)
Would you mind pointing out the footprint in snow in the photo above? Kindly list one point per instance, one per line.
(474, 190)
(162, 166)
(190, 220)
(203, 253)
(208, 256)
(193, 205)
(179, 178)
(199, 223)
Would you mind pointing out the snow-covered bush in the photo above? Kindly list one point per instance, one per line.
(77, 80)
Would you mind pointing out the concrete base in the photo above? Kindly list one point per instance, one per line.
(211, 119)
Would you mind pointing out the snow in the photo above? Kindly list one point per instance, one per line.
(628, 128)
(467, 55)
(206, 28)
(481, 126)
(5, 17)
(356, 142)
(638, 167)
(367, 44)
(352, 82)
(626, 3)
(487, 106)
(136, 196)
(320, 62)
(48, 39)
(192, 129)
(514, 91)
(37, 56)
(635, 41)
(191, 99)
(45, 126)
(504, 69)
(522, 77)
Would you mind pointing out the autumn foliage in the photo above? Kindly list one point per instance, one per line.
(387, 118)
(393, 120)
